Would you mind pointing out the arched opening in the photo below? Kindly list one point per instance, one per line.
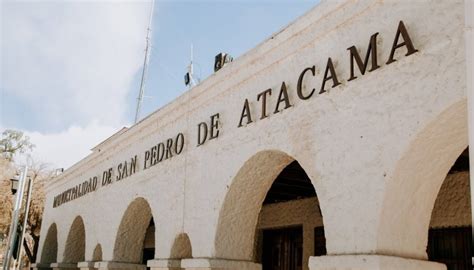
(181, 248)
(135, 241)
(450, 233)
(49, 253)
(290, 227)
(97, 254)
(413, 186)
(271, 215)
(149, 243)
(76, 242)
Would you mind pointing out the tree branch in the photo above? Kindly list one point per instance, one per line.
(27, 250)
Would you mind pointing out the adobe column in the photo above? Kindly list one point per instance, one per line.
(110, 265)
(41, 266)
(469, 39)
(372, 262)
(64, 266)
(165, 264)
(86, 265)
(218, 264)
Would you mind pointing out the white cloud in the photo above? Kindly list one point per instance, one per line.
(63, 149)
(72, 61)
(70, 64)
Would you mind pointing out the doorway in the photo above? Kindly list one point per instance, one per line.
(149, 243)
(451, 246)
(283, 249)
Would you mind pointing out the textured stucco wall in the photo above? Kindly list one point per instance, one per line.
(376, 149)
(453, 204)
(452, 209)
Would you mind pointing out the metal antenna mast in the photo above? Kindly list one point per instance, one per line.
(189, 77)
(192, 82)
(145, 64)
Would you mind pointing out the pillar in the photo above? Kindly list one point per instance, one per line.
(86, 265)
(64, 266)
(469, 39)
(41, 266)
(165, 264)
(109, 265)
(370, 262)
(219, 264)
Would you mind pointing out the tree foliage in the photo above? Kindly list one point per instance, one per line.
(14, 142)
(7, 171)
(39, 173)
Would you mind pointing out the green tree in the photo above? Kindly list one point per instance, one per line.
(14, 142)
(39, 173)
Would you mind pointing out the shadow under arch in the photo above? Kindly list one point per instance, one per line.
(97, 253)
(238, 217)
(49, 253)
(131, 233)
(75, 249)
(418, 176)
(181, 248)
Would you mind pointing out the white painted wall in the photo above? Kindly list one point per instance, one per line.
(469, 39)
(452, 209)
(377, 149)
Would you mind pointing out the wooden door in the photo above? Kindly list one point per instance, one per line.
(283, 249)
(451, 246)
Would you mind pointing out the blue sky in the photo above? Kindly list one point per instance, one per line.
(70, 70)
(211, 27)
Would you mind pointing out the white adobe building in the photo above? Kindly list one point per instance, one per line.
(338, 143)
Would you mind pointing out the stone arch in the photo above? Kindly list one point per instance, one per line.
(49, 253)
(75, 249)
(451, 219)
(453, 205)
(411, 192)
(238, 218)
(97, 253)
(131, 233)
(181, 248)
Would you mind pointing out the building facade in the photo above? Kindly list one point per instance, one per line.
(341, 142)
